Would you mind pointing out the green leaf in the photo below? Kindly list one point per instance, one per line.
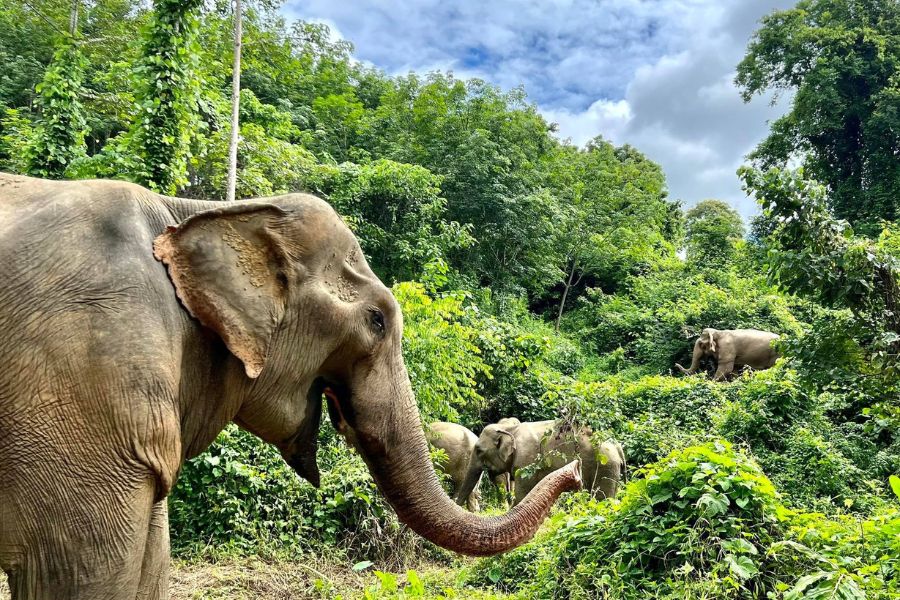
(742, 567)
(895, 484)
(362, 565)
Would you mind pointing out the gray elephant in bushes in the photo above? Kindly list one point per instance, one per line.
(529, 452)
(136, 326)
(733, 349)
(458, 443)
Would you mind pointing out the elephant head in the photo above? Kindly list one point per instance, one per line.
(706, 345)
(495, 452)
(286, 287)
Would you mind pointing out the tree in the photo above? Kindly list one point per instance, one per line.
(167, 101)
(59, 137)
(841, 61)
(711, 230)
(612, 209)
(235, 104)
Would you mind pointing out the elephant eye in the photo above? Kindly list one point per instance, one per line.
(377, 319)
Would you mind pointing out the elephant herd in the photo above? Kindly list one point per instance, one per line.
(136, 326)
(518, 455)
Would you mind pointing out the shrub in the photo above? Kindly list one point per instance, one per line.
(701, 519)
(240, 497)
(440, 349)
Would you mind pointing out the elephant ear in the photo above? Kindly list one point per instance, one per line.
(228, 267)
(506, 447)
(712, 340)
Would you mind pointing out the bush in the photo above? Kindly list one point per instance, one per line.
(442, 355)
(704, 522)
(701, 519)
(240, 497)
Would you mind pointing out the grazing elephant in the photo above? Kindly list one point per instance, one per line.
(733, 348)
(458, 443)
(504, 480)
(136, 326)
(529, 452)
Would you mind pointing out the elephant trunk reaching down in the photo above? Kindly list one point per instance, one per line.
(399, 461)
(695, 361)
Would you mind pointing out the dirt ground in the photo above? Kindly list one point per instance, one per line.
(252, 579)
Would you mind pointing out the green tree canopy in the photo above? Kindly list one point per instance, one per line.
(711, 230)
(840, 61)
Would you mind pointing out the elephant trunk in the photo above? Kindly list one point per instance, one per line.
(695, 361)
(473, 477)
(398, 459)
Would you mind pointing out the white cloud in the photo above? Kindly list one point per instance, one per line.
(657, 74)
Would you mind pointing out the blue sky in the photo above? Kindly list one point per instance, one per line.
(653, 73)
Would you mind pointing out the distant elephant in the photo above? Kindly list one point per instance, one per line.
(504, 480)
(733, 348)
(529, 452)
(136, 326)
(458, 443)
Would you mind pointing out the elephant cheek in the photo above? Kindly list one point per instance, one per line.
(300, 452)
(304, 464)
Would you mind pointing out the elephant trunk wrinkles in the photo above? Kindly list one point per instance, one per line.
(405, 475)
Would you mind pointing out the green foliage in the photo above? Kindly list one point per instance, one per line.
(699, 520)
(398, 214)
(16, 133)
(712, 228)
(814, 254)
(167, 121)
(252, 502)
(704, 522)
(59, 135)
(839, 60)
(440, 353)
(654, 320)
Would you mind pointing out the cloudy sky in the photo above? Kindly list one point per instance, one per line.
(657, 74)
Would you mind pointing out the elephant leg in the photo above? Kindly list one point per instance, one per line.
(723, 369)
(87, 547)
(154, 583)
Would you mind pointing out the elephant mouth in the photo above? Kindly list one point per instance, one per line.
(340, 409)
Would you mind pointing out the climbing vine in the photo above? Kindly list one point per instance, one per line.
(59, 137)
(168, 93)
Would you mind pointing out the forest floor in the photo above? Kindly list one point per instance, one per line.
(253, 578)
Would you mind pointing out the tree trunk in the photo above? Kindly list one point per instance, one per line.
(562, 302)
(235, 105)
(73, 18)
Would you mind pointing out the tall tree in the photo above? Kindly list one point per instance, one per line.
(711, 230)
(235, 104)
(167, 100)
(612, 203)
(841, 60)
(59, 137)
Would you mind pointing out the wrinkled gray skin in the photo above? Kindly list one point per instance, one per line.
(458, 443)
(136, 326)
(733, 349)
(538, 448)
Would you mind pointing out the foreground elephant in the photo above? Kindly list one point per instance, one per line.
(136, 326)
(529, 452)
(458, 443)
(733, 348)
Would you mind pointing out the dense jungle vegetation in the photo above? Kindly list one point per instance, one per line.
(539, 280)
